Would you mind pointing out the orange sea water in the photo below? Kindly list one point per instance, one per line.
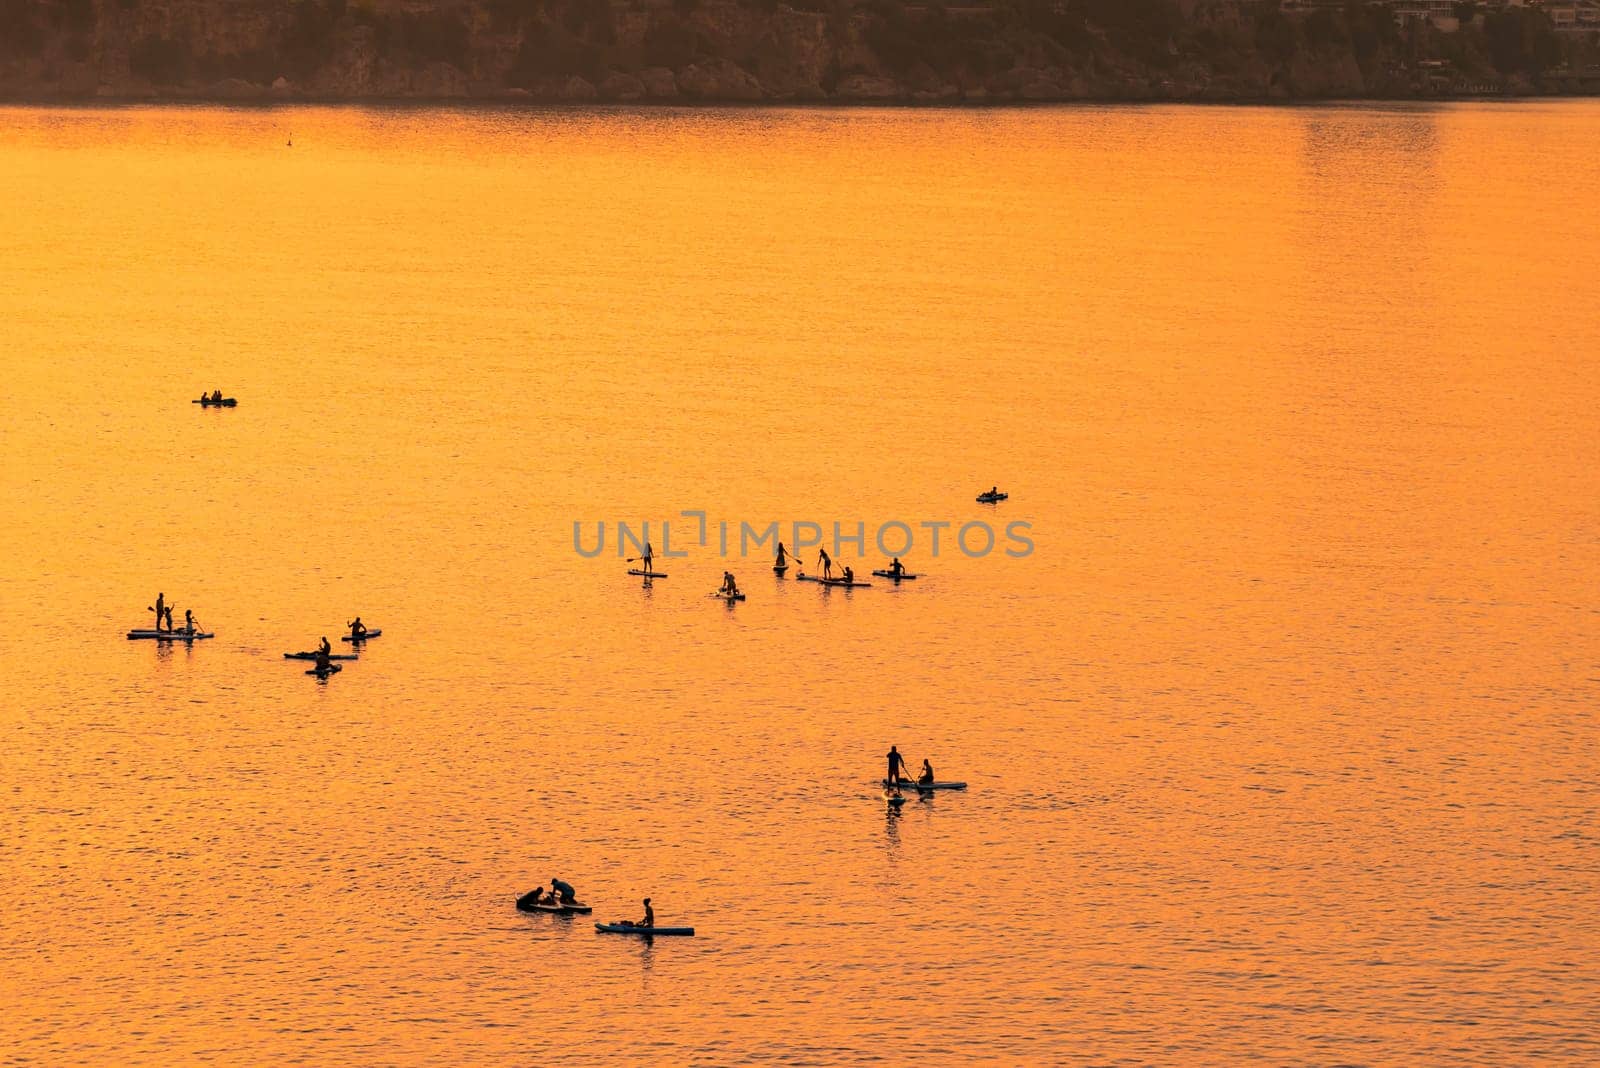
(1281, 744)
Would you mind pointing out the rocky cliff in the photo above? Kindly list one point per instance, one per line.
(965, 51)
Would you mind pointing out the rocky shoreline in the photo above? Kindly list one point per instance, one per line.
(720, 52)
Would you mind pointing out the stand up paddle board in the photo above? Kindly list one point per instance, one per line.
(646, 574)
(908, 785)
(635, 929)
(364, 637)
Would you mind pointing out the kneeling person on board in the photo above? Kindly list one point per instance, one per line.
(358, 629)
(897, 568)
(729, 587)
(926, 778)
(568, 894)
(189, 626)
(849, 576)
(649, 916)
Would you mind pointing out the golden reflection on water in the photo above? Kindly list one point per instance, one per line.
(1280, 746)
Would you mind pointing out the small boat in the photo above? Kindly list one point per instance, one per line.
(635, 929)
(225, 402)
(907, 784)
(169, 635)
(904, 576)
(333, 669)
(991, 498)
(313, 656)
(364, 637)
(646, 574)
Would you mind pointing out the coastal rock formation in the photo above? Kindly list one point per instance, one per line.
(848, 51)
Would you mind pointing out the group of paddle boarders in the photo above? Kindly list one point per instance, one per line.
(561, 895)
(163, 612)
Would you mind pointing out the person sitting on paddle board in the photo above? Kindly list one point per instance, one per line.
(326, 648)
(649, 916)
(188, 621)
(161, 609)
(849, 576)
(926, 778)
(897, 766)
(358, 629)
(826, 562)
(568, 894)
(216, 396)
(897, 568)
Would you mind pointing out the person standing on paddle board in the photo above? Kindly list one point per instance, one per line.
(783, 557)
(169, 617)
(568, 894)
(827, 563)
(649, 558)
(161, 609)
(897, 766)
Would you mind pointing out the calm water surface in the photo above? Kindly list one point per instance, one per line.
(1281, 745)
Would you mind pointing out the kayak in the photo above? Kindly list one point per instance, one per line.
(225, 402)
(903, 576)
(990, 498)
(313, 656)
(364, 637)
(646, 574)
(333, 669)
(169, 635)
(909, 785)
(633, 928)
